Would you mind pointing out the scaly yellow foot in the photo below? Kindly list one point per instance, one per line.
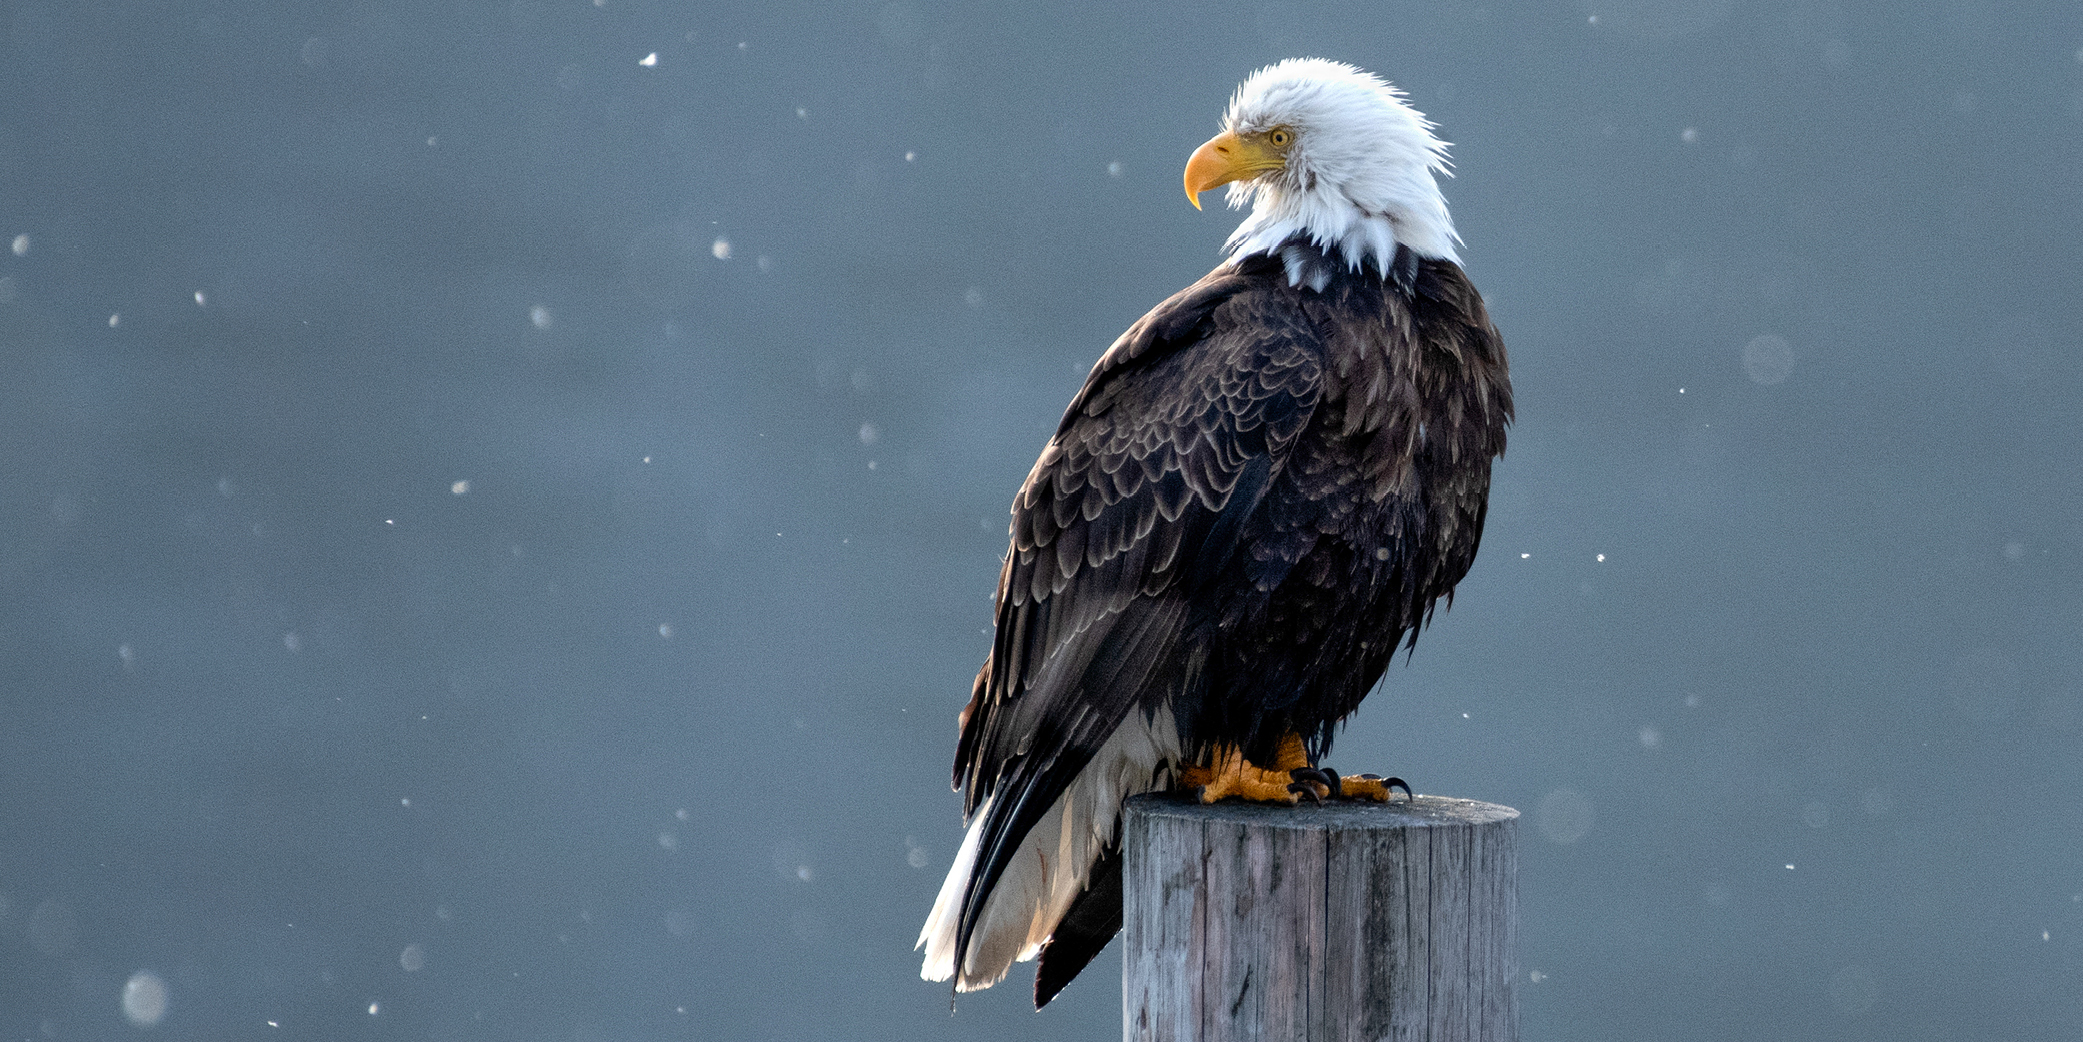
(1289, 779)
(1233, 775)
(1370, 787)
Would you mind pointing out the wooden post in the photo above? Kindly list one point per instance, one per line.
(1348, 921)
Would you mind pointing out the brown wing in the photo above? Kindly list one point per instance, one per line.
(1163, 454)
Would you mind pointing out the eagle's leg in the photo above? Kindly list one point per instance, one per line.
(1286, 781)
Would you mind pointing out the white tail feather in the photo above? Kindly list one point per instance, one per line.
(1053, 861)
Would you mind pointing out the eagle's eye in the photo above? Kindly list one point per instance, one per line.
(1280, 137)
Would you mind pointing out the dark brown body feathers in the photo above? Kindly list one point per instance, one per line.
(1259, 495)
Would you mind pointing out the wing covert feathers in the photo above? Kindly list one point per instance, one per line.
(1146, 459)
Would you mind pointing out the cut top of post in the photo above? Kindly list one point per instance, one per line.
(1420, 812)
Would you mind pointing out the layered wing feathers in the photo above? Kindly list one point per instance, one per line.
(1202, 394)
(1171, 443)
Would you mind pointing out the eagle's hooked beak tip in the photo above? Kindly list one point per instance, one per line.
(1223, 159)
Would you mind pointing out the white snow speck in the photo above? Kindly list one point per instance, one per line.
(21, 245)
(540, 317)
(870, 434)
(1523, 557)
(1790, 868)
(650, 60)
(293, 642)
(144, 998)
(1114, 168)
(668, 840)
(200, 300)
(665, 630)
(459, 488)
(1601, 558)
(720, 248)
(413, 958)
(1537, 976)
(1650, 736)
(802, 113)
(910, 156)
(114, 321)
(377, 1007)
(1690, 135)
(803, 873)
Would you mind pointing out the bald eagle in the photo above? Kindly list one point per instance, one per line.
(1258, 496)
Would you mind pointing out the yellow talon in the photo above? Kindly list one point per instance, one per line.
(1232, 775)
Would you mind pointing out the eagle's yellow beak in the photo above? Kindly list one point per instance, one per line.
(1227, 157)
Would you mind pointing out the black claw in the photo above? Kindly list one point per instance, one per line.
(1321, 776)
(1306, 789)
(1393, 784)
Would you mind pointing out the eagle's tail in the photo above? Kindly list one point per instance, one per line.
(1054, 862)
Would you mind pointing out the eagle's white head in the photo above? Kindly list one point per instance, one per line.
(1324, 150)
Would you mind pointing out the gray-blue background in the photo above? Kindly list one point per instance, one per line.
(644, 732)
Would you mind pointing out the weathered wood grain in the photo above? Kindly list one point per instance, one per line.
(1341, 922)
